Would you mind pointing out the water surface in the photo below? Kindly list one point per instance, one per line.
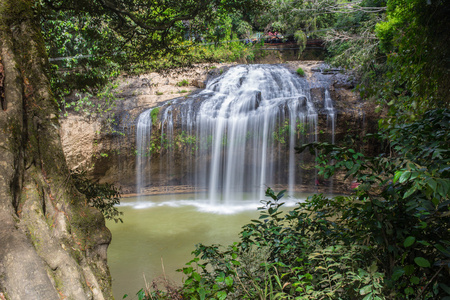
(167, 227)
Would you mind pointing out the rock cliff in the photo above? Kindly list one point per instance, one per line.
(110, 156)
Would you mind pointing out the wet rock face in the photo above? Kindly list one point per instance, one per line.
(111, 157)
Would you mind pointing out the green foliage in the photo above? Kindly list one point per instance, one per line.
(351, 42)
(186, 142)
(182, 141)
(91, 43)
(300, 72)
(388, 240)
(404, 203)
(104, 196)
(183, 82)
(154, 114)
(281, 134)
(82, 78)
(300, 38)
(243, 28)
(401, 55)
(78, 42)
(290, 16)
(414, 38)
(159, 289)
(282, 257)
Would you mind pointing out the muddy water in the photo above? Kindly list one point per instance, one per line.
(165, 229)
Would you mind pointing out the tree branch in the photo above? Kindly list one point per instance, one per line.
(121, 13)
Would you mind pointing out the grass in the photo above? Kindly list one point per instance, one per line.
(183, 82)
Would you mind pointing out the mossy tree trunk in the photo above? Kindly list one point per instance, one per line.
(52, 245)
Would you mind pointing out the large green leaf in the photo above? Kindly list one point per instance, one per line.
(409, 241)
(229, 281)
(445, 287)
(404, 177)
(422, 262)
(366, 289)
(222, 295)
(397, 176)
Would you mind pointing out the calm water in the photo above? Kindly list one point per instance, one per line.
(167, 228)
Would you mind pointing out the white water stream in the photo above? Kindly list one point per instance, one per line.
(243, 127)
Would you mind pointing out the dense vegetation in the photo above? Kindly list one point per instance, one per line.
(90, 44)
(390, 239)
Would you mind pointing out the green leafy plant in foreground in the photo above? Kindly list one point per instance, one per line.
(390, 239)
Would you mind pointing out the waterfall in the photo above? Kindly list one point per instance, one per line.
(236, 137)
(328, 105)
(143, 133)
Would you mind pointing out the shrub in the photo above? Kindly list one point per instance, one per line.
(183, 82)
(388, 240)
(300, 72)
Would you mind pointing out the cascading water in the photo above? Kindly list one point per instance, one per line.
(143, 134)
(328, 106)
(236, 137)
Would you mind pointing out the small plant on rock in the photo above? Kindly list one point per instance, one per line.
(183, 82)
(300, 72)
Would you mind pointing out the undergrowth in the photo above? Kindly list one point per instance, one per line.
(389, 240)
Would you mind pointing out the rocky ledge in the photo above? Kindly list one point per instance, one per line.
(108, 152)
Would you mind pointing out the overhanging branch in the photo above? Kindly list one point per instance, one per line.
(121, 13)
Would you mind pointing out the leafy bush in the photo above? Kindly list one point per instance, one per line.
(104, 196)
(401, 207)
(282, 257)
(388, 240)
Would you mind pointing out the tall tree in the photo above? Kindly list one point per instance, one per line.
(415, 38)
(52, 243)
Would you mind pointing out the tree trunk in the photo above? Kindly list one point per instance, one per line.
(52, 244)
